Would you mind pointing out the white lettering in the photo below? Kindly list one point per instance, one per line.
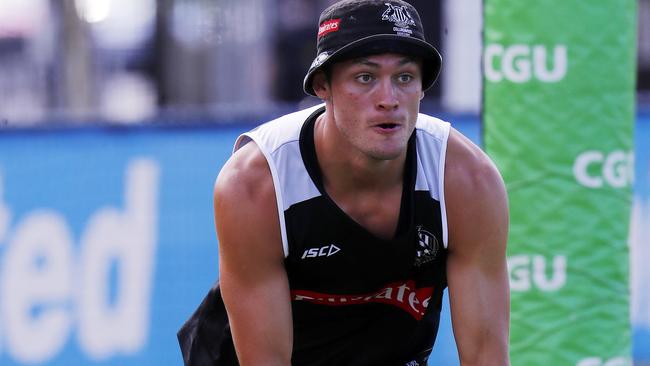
(402, 30)
(386, 294)
(618, 361)
(581, 165)
(519, 63)
(597, 361)
(413, 301)
(333, 250)
(323, 251)
(519, 272)
(491, 52)
(559, 64)
(310, 253)
(616, 169)
(41, 283)
(592, 169)
(516, 63)
(558, 279)
(425, 303)
(416, 306)
(400, 293)
(591, 361)
(126, 239)
(327, 27)
(36, 277)
(520, 269)
(303, 297)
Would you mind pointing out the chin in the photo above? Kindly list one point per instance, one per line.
(386, 154)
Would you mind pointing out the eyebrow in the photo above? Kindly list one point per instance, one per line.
(366, 62)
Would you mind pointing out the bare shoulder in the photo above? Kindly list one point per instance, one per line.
(245, 176)
(245, 207)
(474, 191)
(467, 166)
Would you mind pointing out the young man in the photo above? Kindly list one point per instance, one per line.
(340, 226)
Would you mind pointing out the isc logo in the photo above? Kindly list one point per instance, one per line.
(519, 63)
(325, 251)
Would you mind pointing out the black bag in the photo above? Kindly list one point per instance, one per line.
(205, 338)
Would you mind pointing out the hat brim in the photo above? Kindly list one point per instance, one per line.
(382, 43)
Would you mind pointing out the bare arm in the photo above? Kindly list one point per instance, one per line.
(253, 280)
(477, 212)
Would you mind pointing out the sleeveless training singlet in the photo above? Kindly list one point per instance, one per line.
(358, 299)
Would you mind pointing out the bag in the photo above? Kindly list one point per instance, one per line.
(205, 338)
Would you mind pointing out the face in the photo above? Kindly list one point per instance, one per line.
(374, 102)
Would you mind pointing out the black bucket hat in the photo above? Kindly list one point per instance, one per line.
(354, 28)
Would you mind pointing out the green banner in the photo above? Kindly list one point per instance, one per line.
(558, 120)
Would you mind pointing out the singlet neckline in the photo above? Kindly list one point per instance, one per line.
(308, 154)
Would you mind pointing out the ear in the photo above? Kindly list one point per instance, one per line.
(321, 86)
(421, 95)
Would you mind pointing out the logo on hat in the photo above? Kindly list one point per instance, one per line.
(319, 59)
(329, 26)
(398, 15)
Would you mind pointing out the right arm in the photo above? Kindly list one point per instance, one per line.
(252, 276)
(477, 273)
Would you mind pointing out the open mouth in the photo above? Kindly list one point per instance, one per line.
(388, 126)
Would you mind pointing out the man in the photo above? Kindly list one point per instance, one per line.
(340, 226)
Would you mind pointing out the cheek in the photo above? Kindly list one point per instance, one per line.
(413, 99)
(353, 97)
(412, 107)
(415, 105)
(351, 103)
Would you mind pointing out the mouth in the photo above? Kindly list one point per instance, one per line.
(387, 126)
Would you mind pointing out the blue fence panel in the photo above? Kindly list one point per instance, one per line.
(640, 243)
(106, 242)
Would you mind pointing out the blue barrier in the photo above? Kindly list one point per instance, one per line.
(107, 242)
(640, 242)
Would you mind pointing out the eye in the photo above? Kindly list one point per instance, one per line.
(404, 78)
(364, 78)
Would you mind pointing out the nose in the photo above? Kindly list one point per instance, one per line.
(387, 95)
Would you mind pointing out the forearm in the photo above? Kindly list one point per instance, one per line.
(480, 314)
(491, 352)
(483, 346)
(260, 321)
(256, 358)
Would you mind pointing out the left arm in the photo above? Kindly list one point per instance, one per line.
(477, 213)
